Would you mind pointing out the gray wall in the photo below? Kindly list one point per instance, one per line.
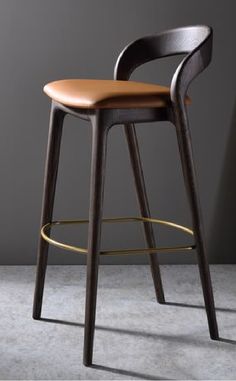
(45, 40)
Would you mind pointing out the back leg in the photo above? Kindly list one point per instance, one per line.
(186, 155)
(136, 164)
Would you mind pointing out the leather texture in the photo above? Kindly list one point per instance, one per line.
(98, 94)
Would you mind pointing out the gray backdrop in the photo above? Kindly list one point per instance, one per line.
(41, 41)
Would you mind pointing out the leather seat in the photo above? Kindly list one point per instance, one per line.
(98, 94)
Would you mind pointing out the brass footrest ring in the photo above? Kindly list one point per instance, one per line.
(81, 250)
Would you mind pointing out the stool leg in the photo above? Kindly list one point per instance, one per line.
(99, 140)
(51, 168)
(144, 207)
(186, 154)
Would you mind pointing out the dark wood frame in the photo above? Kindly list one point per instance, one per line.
(196, 43)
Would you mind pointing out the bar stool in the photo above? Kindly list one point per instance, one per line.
(108, 102)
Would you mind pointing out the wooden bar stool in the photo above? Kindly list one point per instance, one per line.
(108, 102)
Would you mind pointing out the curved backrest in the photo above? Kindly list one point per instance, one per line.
(195, 41)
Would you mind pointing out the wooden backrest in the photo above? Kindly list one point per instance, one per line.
(194, 41)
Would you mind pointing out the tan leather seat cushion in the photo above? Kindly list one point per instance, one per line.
(97, 94)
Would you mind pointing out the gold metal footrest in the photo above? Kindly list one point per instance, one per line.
(81, 250)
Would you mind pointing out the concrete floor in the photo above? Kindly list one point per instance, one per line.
(135, 337)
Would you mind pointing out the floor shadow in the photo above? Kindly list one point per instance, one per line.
(149, 335)
(103, 328)
(64, 322)
(186, 305)
(227, 341)
(128, 373)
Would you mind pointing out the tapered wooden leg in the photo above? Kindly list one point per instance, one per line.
(99, 138)
(51, 168)
(185, 148)
(144, 207)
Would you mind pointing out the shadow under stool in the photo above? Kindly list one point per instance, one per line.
(106, 103)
